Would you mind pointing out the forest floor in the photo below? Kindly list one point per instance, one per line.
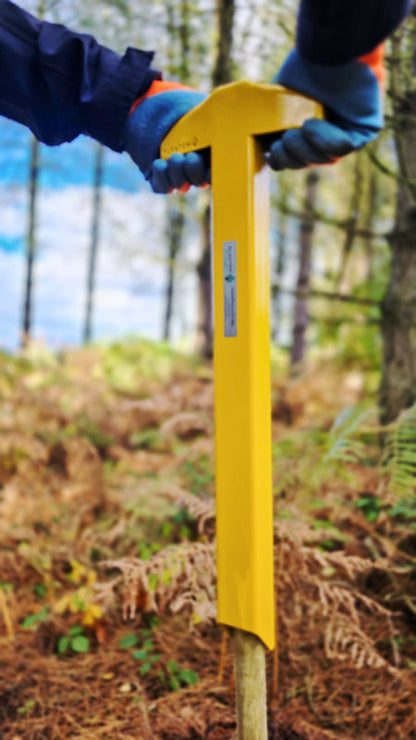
(107, 562)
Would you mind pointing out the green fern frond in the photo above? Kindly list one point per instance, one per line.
(346, 441)
(399, 459)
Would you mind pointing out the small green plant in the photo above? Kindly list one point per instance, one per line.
(147, 439)
(404, 509)
(370, 506)
(27, 707)
(128, 641)
(40, 589)
(75, 640)
(147, 656)
(198, 474)
(32, 621)
(180, 676)
(335, 538)
(146, 551)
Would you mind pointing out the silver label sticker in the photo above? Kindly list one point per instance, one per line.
(230, 288)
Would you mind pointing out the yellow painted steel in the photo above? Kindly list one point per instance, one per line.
(228, 122)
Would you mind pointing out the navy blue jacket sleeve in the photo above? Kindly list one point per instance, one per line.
(61, 84)
(338, 31)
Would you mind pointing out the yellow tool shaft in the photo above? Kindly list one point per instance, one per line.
(242, 388)
(228, 122)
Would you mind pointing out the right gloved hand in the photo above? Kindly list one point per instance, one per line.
(351, 94)
(150, 120)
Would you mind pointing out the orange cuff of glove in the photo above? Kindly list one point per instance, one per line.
(375, 60)
(158, 86)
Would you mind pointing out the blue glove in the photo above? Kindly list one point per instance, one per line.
(151, 118)
(351, 94)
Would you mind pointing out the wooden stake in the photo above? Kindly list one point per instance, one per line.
(250, 685)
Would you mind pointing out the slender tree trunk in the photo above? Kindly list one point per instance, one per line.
(221, 75)
(281, 243)
(176, 221)
(95, 236)
(204, 338)
(222, 72)
(30, 242)
(398, 385)
(350, 232)
(368, 222)
(301, 306)
(176, 213)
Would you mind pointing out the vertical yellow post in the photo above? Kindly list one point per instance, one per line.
(228, 122)
(242, 386)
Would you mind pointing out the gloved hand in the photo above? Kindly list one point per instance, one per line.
(150, 119)
(351, 94)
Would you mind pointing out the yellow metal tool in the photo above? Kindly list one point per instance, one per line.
(228, 123)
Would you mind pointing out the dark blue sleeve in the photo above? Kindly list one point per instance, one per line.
(337, 31)
(61, 84)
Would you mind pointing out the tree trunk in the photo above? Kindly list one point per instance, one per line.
(204, 338)
(31, 228)
(30, 242)
(222, 72)
(180, 67)
(281, 244)
(301, 306)
(176, 222)
(398, 385)
(95, 235)
(221, 75)
(350, 231)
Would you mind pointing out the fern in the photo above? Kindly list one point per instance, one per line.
(346, 438)
(349, 438)
(399, 458)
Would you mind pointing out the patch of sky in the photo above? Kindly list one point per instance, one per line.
(68, 164)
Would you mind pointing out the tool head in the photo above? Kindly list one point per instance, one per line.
(243, 109)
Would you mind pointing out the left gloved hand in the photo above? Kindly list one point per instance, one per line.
(150, 119)
(351, 94)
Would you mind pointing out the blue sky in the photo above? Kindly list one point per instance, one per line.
(131, 270)
(68, 164)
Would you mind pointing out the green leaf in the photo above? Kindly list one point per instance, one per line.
(32, 619)
(128, 641)
(174, 683)
(140, 655)
(76, 630)
(172, 666)
(145, 668)
(63, 644)
(188, 677)
(40, 589)
(29, 621)
(153, 581)
(80, 644)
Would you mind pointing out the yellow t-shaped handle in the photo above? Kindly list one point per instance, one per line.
(228, 122)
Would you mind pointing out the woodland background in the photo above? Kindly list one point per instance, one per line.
(107, 565)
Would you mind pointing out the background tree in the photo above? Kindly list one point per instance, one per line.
(398, 385)
(306, 228)
(221, 74)
(94, 240)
